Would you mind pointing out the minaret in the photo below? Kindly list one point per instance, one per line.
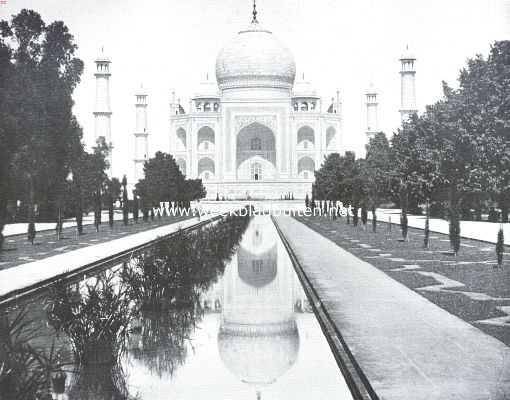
(103, 113)
(372, 122)
(408, 85)
(141, 134)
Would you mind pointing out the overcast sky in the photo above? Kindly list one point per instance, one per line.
(337, 44)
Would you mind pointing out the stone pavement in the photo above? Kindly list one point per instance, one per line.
(407, 347)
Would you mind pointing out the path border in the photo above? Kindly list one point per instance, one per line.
(356, 380)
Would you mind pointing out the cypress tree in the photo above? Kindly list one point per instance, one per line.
(364, 215)
(404, 224)
(125, 209)
(110, 209)
(454, 232)
(31, 232)
(500, 246)
(427, 230)
(136, 207)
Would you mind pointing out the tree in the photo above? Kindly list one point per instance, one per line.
(193, 189)
(111, 212)
(90, 182)
(39, 135)
(378, 167)
(355, 186)
(427, 227)
(163, 180)
(500, 246)
(307, 201)
(135, 207)
(328, 177)
(486, 113)
(8, 142)
(438, 153)
(111, 195)
(125, 204)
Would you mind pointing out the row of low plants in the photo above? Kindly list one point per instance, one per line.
(149, 306)
(331, 210)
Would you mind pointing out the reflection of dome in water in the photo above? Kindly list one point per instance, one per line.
(259, 359)
(257, 270)
(258, 340)
(259, 237)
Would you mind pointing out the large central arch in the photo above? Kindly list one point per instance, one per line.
(256, 144)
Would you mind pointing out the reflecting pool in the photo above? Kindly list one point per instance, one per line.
(216, 314)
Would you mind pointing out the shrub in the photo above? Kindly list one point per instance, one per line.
(426, 232)
(454, 232)
(500, 246)
(404, 224)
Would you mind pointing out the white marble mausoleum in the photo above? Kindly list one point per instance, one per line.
(256, 131)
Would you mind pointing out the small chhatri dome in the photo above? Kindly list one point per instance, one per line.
(207, 90)
(371, 90)
(141, 91)
(102, 57)
(407, 54)
(255, 58)
(304, 88)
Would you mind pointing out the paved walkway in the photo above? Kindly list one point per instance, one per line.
(31, 273)
(407, 347)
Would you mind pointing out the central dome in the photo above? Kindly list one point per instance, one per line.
(255, 58)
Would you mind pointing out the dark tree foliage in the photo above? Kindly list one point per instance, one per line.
(378, 170)
(125, 201)
(38, 132)
(136, 207)
(500, 246)
(164, 182)
(427, 228)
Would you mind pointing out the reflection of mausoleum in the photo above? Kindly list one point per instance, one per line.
(258, 339)
(256, 132)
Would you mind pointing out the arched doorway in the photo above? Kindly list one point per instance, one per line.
(205, 139)
(306, 138)
(181, 139)
(330, 138)
(256, 153)
(306, 167)
(206, 168)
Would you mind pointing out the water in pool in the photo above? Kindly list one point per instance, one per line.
(218, 314)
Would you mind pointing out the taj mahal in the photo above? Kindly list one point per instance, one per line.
(257, 131)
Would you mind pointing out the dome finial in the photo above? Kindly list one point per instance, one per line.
(254, 20)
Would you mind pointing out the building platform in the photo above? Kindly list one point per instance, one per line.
(258, 190)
